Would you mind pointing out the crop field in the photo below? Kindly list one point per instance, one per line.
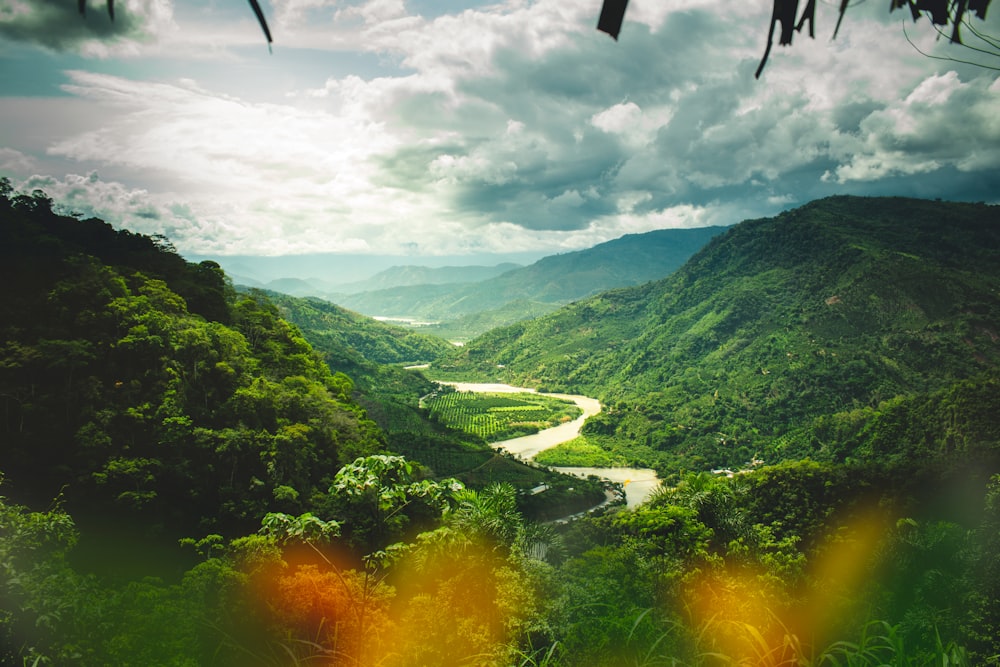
(495, 417)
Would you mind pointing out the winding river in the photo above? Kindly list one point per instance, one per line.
(639, 483)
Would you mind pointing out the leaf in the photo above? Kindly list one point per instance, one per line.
(260, 19)
(782, 11)
(612, 15)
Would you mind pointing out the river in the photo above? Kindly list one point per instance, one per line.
(639, 483)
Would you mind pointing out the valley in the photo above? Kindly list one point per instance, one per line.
(207, 474)
(637, 483)
(459, 303)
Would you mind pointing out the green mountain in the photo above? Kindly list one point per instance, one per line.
(293, 286)
(142, 391)
(558, 279)
(845, 304)
(468, 326)
(373, 354)
(143, 399)
(400, 276)
(350, 332)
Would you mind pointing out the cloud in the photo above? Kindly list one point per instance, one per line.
(511, 126)
(942, 122)
(13, 161)
(89, 196)
(57, 25)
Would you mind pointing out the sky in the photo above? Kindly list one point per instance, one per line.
(431, 128)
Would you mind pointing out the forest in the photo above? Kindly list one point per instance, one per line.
(195, 474)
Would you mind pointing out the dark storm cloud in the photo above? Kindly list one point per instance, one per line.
(557, 171)
(847, 118)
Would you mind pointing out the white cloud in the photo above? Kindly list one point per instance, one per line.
(942, 122)
(14, 162)
(507, 127)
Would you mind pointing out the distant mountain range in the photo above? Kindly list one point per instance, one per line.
(394, 276)
(543, 286)
(399, 276)
(835, 318)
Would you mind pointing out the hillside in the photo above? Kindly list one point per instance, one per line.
(147, 395)
(372, 353)
(399, 276)
(350, 332)
(558, 279)
(843, 304)
(184, 481)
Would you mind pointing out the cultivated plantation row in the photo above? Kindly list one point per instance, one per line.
(496, 417)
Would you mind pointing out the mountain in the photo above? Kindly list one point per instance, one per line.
(399, 276)
(467, 326)
(350, 332)
(293, 286)
(373, 355)
(558, 279)
(842, 305)
(327, 270)
(147, 395)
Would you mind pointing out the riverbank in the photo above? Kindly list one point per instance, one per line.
(638, 483)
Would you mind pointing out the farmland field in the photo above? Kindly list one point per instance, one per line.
(496, 417)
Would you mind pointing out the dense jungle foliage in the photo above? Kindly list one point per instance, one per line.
(184, 481)
(138, 386)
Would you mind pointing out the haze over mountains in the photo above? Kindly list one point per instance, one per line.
(394, 276)
(325, 271)
(460, 302)
(555, 280)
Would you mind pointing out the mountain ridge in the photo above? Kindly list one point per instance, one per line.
(557, 279)
(838, 304)
(411, 274)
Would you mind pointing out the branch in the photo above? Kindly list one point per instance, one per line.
(948, 58)
(260, 19)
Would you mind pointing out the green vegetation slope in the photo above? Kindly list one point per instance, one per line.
(842, 305)
(143, 391)
(553, 280)
(147, 398)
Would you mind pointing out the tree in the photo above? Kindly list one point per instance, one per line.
(381, 495)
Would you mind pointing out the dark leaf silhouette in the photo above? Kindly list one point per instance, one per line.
(979, 7)
(808, 14)
(263, 22)
(612, 15)
(942, 12)
(938, 10)
(783, 11)
(843, 10)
